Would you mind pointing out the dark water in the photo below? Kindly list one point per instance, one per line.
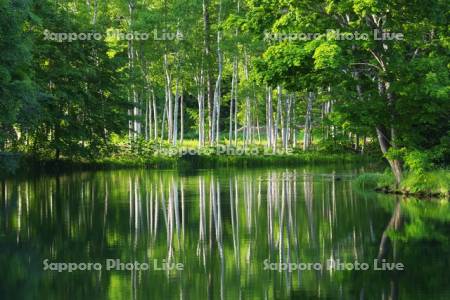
(227, 229)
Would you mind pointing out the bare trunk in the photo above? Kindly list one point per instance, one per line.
(395, 164)
(233, 83)
(181, 117)
(307, 139)
(385, 139)
(217, 90)
(269, 121)
(155, 116)
(201, 109)
(277, 121)
(247, 133)
(168, 86)
(294, 132)
(175, 117)
(209, 89)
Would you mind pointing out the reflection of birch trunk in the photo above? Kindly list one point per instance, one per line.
(308, 190)
(281, 226)
(233, 223)
(167, 218)
(134, 205)
(215, 202)
(269, 215)
(394, 291)
(156, 210)
(105, 211)
(183, 218)
(130, 201)
(149, 209)
(202, 221)
(19, 213)
(287, 198)
(394, 224)
(175, 200)
(248, 205)
(236, 213)
(248, 201)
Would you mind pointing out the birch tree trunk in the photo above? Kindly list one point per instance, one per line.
(182, 116)
(217, 90)
(278, 119)
(155, 116)
(308, 122)
(201, 109)
(294, 129)
(269, 118)
(168, 85)
(232, 101)
(247, 126)
(209, 89)
(175, 117)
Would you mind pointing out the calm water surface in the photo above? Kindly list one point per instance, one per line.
(228, 229)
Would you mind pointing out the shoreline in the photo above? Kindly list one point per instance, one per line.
(23, 165)
(432, 184)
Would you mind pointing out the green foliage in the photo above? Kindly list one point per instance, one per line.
(78, 100)
(17, 93)
(437, 181)
(371, 181)
(327, 55)
(425, 220)
(417, 161)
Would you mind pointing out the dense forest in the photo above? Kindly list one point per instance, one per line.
(93, 78)
(254, 143)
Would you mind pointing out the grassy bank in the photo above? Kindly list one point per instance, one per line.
(434, 183)
(24, 164)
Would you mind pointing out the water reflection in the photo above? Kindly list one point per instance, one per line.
(221, 226)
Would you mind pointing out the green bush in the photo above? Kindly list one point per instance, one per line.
(437, 181)
(417, 161)
(375, 180)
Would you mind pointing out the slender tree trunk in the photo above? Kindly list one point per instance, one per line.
(164, 115)
(155, 116)
(247, 132)
(278, 119)
(134, 94)
(175, 116)
(307, 139)
(233, 82)
(209, 84)
(201, 109)
(182, 116)
(236, 88)
(168, 86)
(147, 119)
(217, 90)
(269, 121)
(294, 129)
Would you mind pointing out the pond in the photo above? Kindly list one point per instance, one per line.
(218, 234)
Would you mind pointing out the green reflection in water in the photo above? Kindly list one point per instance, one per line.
(222, 226)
